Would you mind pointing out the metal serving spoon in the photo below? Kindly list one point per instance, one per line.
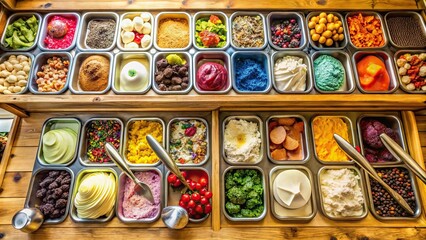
(166, 159)
(140, 188)
(398, 152)
(363, 163)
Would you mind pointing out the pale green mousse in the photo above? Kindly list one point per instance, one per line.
(329, 73)
(59, 145)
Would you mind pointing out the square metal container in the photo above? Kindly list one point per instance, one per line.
(207, 157)
(265, 38)
(40, 60)
(77, 183)
(15, 17)
(392, 122)
(131, 15)
(118, 61)
(33, 201)
(217, 57)
(306, 60)
(222, 16)
(364, 14)
(126, 136)
(276, 206)
(275, 16)
(304, 142)
(257, 55)
(165, 15)
(265, 193)
(351, 139)
(84, 31)
(396, 56)
(343, 57)
(414, 15)
(316, 45)
(172, 197)
(43, 31)
(83, 144)
(74, 84)
(387, 60)
(417, 211)
(254, 119)
(5, 57)
(361, 185)
(59, 123)
(120, 196)
(161, 55)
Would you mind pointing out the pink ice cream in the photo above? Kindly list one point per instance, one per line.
(138, 207)
(212, 76)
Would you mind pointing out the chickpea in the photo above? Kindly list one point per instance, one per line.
(9, 66)
(17, 89)
(6, 84)
(22, 58)
(2, 80)
(22, 83)
(13, 61)
(12, 57)
(23, 73)
(20, 77)
(11, 79)
(6, 91)
(10, 88)
(2, 66)
(18, 66)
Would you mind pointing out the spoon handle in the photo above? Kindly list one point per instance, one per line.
(166, 159)
(122, 165)
(397, 151)
(363, 163)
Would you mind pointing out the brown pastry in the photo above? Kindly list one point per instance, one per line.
(94, 73)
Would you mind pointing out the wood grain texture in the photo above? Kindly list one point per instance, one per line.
(211, 4)
(112, 102)
(14, 110)
(215, 169)
(13, 188)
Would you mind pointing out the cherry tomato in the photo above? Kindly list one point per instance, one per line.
(182, 204)
(171, 178)
(191, 203)
(192, 185)
(207, 208)
(203, 191)
(204, 200)
(199, 209)
(198, 186)
(184, 174)
(196, 197)
(191, 211)
(177, 183)
(203, 182)
(197, 216)
(208, 195)
(185, 198)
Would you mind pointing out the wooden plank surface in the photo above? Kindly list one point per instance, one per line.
(41, 5)
(112, 102)
(23, 157)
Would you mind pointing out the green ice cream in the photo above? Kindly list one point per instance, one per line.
(329, 73)
(59, 145)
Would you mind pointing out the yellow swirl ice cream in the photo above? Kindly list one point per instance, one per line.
(59, 145)
(96, 195)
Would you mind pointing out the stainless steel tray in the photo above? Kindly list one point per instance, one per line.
(417, 211)
(396, 56)
(14, 17)
(361, 185)
(33, 201)
(126, 136)
(341, 44)
(120, 196)
(222, 16)
(5, 56)
(394, 123)
(386, 58)
(77, 183)
(165, 15)
(273, 16)
(415, 15)
(82, 34)
(58, 123)
(265, 38)
(131, 15)
(41, 60)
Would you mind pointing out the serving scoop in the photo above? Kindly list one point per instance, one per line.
(140, 188)
(363, 163)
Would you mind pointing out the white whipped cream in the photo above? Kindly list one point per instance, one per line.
(341, 193)
(242, 141)
(290, 73)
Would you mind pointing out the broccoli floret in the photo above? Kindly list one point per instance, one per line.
(247, 187)
(229, 182)
(253, 202)
(258, 189)
(232, 208)
(259, 210)
(253, 194)
(236, 195)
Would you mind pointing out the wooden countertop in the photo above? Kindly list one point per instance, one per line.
(18, 174)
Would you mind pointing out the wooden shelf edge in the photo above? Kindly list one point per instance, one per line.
(255, 5)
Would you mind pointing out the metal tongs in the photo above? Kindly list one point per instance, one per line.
(398, 152)
(363, 163)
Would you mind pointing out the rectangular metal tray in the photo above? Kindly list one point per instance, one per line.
(131, 15)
